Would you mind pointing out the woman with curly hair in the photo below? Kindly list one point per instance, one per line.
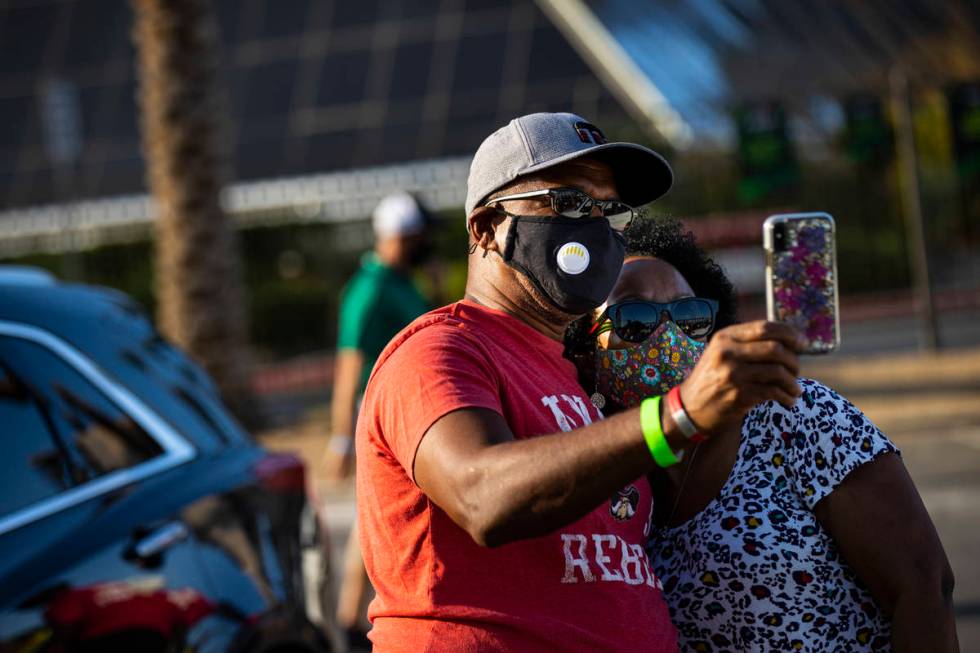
(800, 530)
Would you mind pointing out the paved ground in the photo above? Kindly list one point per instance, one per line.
(929, 405)
(946, 469)
(956, 330)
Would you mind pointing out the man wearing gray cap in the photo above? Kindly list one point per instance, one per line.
(498, 510)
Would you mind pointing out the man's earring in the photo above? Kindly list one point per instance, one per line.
(472, 248)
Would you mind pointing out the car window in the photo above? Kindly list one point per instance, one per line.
(166, 378)
(31, 467)
(93, 434)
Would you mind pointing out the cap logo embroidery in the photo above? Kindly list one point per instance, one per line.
(589, 133)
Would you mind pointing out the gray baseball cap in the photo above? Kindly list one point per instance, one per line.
(541, 140)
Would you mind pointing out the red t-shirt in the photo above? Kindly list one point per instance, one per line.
(585, 587)
(105, 608)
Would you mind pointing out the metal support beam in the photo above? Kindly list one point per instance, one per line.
(914, 231)
(616, 68)
(331, 197)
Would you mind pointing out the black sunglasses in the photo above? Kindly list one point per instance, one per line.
(573, 203)
(634, 321)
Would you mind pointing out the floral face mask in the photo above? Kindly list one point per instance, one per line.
(630, 375)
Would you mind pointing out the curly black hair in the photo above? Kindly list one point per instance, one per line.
(664, 238)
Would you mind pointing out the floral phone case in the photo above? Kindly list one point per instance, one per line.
(801, 277)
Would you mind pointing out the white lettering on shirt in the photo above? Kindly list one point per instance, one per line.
(602, 559)
(632, 566)
(579, 407)
(633, 563)
(580, 561)
(565, 423)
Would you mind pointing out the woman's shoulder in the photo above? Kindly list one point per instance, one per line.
(817, 405)
(821, 420)
(820, 439)
(769, 421)
(818, 397)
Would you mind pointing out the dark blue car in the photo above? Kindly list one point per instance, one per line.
(135, 514)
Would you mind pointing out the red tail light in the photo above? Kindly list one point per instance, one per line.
(282, 472)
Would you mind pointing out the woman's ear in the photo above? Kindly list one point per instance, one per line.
(482, 225)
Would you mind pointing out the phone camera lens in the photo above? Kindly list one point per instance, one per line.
(779, 237)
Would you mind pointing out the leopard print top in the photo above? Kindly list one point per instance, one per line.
(754, 570)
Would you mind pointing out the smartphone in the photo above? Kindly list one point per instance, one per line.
(801, 277)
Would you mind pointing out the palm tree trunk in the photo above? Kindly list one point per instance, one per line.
(198, 279)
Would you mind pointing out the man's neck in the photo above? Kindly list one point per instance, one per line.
(491, 298)
(390, 260)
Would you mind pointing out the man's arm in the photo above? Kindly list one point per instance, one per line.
(878, 520)
(500, 489)
(348, 366)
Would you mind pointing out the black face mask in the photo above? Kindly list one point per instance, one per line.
(574, 263)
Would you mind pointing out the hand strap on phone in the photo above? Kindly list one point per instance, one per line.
(653, 433)
(684, 422)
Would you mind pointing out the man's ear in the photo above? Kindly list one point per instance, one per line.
(482, 225)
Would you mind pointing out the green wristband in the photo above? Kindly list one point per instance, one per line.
(653, 433)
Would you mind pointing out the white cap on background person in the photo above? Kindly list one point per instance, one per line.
(398, 214)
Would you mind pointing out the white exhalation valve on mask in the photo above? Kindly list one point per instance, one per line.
(573, 258)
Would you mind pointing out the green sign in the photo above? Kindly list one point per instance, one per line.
(964, 115)
(765, 153)
(867, 134)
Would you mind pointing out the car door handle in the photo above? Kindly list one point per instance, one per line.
(160, 539)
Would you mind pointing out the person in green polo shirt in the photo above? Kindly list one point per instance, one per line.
(378, 302)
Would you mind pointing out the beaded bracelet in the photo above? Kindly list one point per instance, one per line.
(683, 420)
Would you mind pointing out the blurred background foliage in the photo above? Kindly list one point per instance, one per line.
(294, 273)
(783, 117)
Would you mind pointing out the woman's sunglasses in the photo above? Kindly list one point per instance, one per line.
(573, 203)
(634, 321)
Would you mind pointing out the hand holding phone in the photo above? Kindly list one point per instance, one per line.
(801, 277)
